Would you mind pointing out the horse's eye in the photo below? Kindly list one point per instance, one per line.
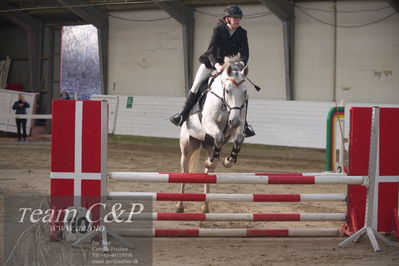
(227, 91)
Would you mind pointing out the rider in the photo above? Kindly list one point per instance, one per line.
(228, 39)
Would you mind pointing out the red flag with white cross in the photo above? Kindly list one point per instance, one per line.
(79, 139)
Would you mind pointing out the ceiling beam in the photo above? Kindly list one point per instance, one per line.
(185, 16)
(19, 18)
(89, 13)
(280, 8)
(179, 11)
(394, 4)
(33, 28)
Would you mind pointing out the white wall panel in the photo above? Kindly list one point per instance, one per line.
(285, 123)
(314, 53)
(145, 58)
(282, 123)
(368, 57)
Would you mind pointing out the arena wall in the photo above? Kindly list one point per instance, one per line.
(146, 58)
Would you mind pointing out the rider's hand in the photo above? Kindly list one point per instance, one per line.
(219, 67)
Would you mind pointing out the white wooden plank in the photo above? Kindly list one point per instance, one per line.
(284, 123)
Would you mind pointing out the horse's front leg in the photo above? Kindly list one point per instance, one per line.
(218, 141)
(212, 160)
(230, 160)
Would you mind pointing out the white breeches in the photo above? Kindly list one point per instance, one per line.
(203, 73)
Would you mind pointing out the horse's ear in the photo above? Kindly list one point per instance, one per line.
(229, 70)
(245, 71)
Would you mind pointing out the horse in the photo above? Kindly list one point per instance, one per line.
(223, 119)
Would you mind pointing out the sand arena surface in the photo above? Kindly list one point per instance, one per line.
(24, 169)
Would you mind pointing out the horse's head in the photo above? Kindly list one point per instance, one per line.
(234, 90)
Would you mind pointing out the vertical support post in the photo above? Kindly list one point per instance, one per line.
(102, 33)
(35, 49)
(289, 35)
(185, 16)
(188, 49)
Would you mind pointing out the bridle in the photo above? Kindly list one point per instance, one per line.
(225, 105)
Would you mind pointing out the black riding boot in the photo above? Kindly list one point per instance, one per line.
(178, 119)
(248, 130)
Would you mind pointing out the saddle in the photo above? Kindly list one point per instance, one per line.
(201, 95)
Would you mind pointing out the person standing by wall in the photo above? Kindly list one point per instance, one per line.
(20, 107)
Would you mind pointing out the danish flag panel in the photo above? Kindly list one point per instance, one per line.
(78, 146)
(359, 149)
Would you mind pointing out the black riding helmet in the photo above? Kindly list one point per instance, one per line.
(233, 11)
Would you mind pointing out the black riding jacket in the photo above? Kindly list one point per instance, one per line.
(20, 110)
(222, 44)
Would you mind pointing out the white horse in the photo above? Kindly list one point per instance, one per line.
(223, 119)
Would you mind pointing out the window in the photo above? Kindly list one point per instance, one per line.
(80, 67)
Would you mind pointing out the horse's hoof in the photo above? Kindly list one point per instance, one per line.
(180, 210)
(227, 163)
(205, 209)
(210, 165)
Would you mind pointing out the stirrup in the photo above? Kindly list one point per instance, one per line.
(177, 120)
(249, 131)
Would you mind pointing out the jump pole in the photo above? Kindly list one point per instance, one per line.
(247, 217)
(245, 178)
(240, 232)
(230, 197)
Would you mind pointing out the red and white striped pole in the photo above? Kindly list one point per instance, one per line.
(228, 232)
(265, 217)
(230, 197)
(229, 178)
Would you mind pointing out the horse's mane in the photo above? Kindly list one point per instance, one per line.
(233, 61)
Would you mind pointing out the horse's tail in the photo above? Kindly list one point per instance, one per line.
(194, 161)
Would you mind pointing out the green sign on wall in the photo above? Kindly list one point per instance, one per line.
(129, 104)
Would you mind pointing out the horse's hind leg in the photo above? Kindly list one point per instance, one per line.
(180, 205)
(187, 146)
